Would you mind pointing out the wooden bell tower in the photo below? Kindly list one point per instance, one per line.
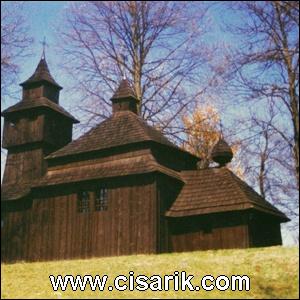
(33, 128)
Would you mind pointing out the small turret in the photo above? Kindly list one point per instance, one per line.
(222, 153)
(124, 98)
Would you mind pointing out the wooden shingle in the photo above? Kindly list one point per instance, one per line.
(215, 190)
(222, 153)
(124, 91)
(14, 191)
(42, 102)
(41, 74)
(122, 128)
(142, 164)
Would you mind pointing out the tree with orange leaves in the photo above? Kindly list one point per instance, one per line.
(203, 130)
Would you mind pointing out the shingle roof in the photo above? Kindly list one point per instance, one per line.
(114, 168)
(215, 190)
(221, 147)
(38, 102)
(124, 127)
(41, 74)
(124, 91)
(15, 191)
(222, 152)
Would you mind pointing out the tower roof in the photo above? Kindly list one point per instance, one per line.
(41, 103)
(124, 91)
(222, 152)
(41, 74)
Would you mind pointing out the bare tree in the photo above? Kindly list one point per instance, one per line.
(265, 74)
(267, 63)
(269, 166)
(14, 43)
(157, 45)
(14, 48)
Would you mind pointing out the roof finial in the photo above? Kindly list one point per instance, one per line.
(44, 47)
(123, 68)
(221, 130)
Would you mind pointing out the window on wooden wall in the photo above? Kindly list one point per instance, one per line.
(101, 199)
(83, 201)
(13, 124)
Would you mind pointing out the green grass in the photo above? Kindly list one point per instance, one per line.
(273, 273)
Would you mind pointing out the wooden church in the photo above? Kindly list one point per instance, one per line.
(122, 188)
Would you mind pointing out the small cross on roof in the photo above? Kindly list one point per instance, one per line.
(44, 47)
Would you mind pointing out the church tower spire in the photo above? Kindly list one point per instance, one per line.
(41, 84)
(33, 128)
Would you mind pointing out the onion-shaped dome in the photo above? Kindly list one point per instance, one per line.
(222, 153)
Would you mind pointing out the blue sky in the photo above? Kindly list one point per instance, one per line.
(42, 16)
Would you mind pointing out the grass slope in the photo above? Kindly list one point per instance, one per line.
(273, 273)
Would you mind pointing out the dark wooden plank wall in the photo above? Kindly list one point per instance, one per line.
(174, 159)
(27, 129)
(218, 238)
(33, 92)
(264, 230)
(167, 192)
(23, 165)
(205, 232)
(53, 229)
(57, 130)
